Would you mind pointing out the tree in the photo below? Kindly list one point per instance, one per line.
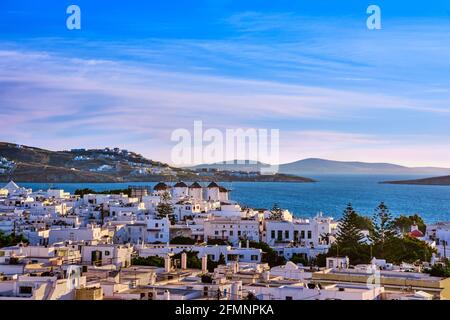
(218, 242)
(349, 238)
(165, 207)
(441, 269)
(211, 264)
(192, 260)
(404, 223)
(11, 239)
(383, 229)
(148, 261)
(298, 258)
(206, 278)
(349, 234)
(269, 255)
(363, 223)
(221, 260)
(320, 260)
(251, 296)
(407, 249)
(276, 213)
(182, 240)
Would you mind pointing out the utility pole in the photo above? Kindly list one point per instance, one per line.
(219, 294)
(444, 242)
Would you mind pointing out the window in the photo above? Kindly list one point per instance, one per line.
(280, 235)
(254, 257)
(239, 233)
(302, 234)
(295, 235)
(25, 290)
(216, 233)
(156, 225)
(231, 232)
(286, 234)
(273, 234)
(288, 298)
(107, 253)
(309, 234)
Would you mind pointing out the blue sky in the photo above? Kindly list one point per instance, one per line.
(137, 71)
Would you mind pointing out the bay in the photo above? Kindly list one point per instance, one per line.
(329, 195)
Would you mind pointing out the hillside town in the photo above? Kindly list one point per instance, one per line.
(191, 241)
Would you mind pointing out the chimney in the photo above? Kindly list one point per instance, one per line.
(266, 276)
(152, 279)
(235, 266)
(167, 264)
(205, 264)
(236, 290)
(166, 295)
(183, 261)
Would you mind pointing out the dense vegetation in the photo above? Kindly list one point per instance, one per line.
(388, 238)
(404, 223)
(193, 262)
(441, 270)
(165, 208)
(297, 258)
(148, 261)
(219, 242)
(269, 255)
(182, 240)
(214, 264)
(11, 239)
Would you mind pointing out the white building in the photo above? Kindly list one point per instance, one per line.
(232, 229)
(107, 254)
(89, 233)
(300, 291)
(306, 232)
(158, 230)
(250, 255)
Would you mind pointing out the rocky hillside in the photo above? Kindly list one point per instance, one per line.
(29, 164)
(23, 163)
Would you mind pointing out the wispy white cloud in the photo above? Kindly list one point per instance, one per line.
(133, 95)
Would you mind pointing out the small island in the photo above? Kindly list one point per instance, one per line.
(435, 181)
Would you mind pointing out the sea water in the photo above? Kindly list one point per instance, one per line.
(329, 195)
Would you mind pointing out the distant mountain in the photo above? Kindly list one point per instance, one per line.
(234, 165)
(314, 166)
(321, 166)
(435, 181)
